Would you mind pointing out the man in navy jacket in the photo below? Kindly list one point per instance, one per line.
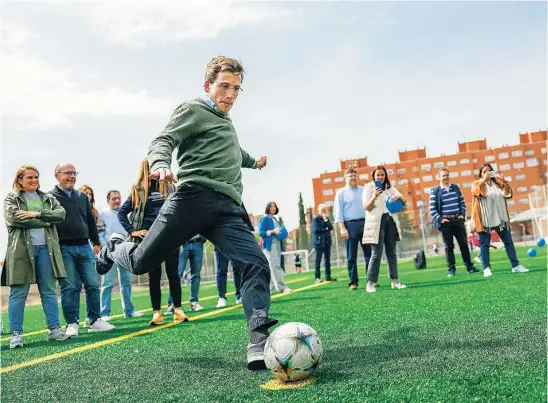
(321, 240)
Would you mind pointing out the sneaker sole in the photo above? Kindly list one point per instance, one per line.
(180, 320)
(156, 323)
(99, 330)
(257, 365)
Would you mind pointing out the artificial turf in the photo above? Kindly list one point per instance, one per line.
(464, 338)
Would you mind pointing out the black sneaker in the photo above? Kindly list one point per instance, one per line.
(451, 273)
(330, 279)
(473, 270)
(255, 356)
(103, 262)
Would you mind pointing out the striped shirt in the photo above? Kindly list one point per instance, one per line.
(451, 204)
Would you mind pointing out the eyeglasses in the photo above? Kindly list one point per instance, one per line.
(226, 87)
(69, 172)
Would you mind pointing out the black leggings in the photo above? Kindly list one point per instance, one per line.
(155, 276)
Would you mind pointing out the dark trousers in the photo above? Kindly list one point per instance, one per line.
(355, 235)
(326, 252)
(456, 229)
(154, 279)
(222, 272)
(485, 243)
(192, 210)
(388, 237)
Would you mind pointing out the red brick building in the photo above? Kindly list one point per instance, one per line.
(523, 164)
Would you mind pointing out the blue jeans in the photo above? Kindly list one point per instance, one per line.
(80, 267)
(124, 281)
(193, 252)
(355, 235)
(47, 286)
(222, 271)
(485, 245)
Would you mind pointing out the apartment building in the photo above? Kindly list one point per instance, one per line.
(415, 173)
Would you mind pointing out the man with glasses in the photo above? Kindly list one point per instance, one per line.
(208, 200)
(349, 214)
(75, 234)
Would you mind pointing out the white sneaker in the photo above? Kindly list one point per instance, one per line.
(72, 330)
(397, 284)
(238, 301)
(286, 290)
(16, 340)
(100, 326)
(370, 287)
(221, 303)
(477, 259)
(519, 269)
(487, 272)
(169, 311)
(105, 318)
(57, 334)
(195, 306)
(135, 314)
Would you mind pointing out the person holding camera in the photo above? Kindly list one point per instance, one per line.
(448, 210)
(490, 213)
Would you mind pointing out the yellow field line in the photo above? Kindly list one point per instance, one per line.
(135, 334)
(120, 315)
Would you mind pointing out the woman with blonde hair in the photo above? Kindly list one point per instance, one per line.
(33, 254)
(490, 213)
(146, 198)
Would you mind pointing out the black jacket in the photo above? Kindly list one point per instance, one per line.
(79, 226)
(321, 232)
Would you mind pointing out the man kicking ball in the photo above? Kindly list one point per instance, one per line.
(208, 199)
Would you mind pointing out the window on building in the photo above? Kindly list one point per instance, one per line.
(519, 165)
(535, 187)
(451, 163)
(420, 203)
(505, 167)
(530, 152)
(489, 158)
(427, 178)
(522, 189)
(417, 192)
(503, 156)
(328, 192)
(390, 171)
(476, 172)
(326, 181)
(513, 214)
(523, 201)
(402, 182)
(467, 185)
(427, 190)
(510, 202)
(531, 162)
(453, 174)
(520, 177)
(545, 162)
(339, 179)
(508, 178)
(416, 180)
(517, 153)
(364, 176)
(475, 160)
(402, 171)
(465, 161)
(426, 167)
(543, 150)
(466, 172)
(329, 203)
(415, 169)
(438, 165)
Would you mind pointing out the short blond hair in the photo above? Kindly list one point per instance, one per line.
(19, 175)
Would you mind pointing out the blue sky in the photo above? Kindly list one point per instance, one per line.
(93, 82)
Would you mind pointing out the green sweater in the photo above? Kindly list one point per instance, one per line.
(208, 151)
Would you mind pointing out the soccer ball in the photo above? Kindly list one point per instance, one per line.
(293, 351)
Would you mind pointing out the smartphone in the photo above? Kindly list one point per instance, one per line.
(378, 184)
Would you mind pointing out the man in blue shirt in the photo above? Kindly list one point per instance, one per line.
(448, 210)
(349, 214)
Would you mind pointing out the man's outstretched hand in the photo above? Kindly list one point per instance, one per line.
(162, 174)
(261, 162)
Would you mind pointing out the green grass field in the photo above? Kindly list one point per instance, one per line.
(464, 338)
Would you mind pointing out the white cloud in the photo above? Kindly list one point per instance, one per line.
(138, 23)
(46, 95)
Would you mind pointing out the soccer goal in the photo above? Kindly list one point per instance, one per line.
(289, 259)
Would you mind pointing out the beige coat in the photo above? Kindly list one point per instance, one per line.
(372, 226)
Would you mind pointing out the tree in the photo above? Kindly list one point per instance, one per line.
(303, 235)
(407, 224)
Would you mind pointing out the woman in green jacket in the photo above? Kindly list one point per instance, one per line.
(33, 254)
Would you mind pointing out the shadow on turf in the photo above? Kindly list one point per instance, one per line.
(398, 345)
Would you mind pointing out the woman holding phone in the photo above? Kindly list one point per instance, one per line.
(382, 228)
(490, 213)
